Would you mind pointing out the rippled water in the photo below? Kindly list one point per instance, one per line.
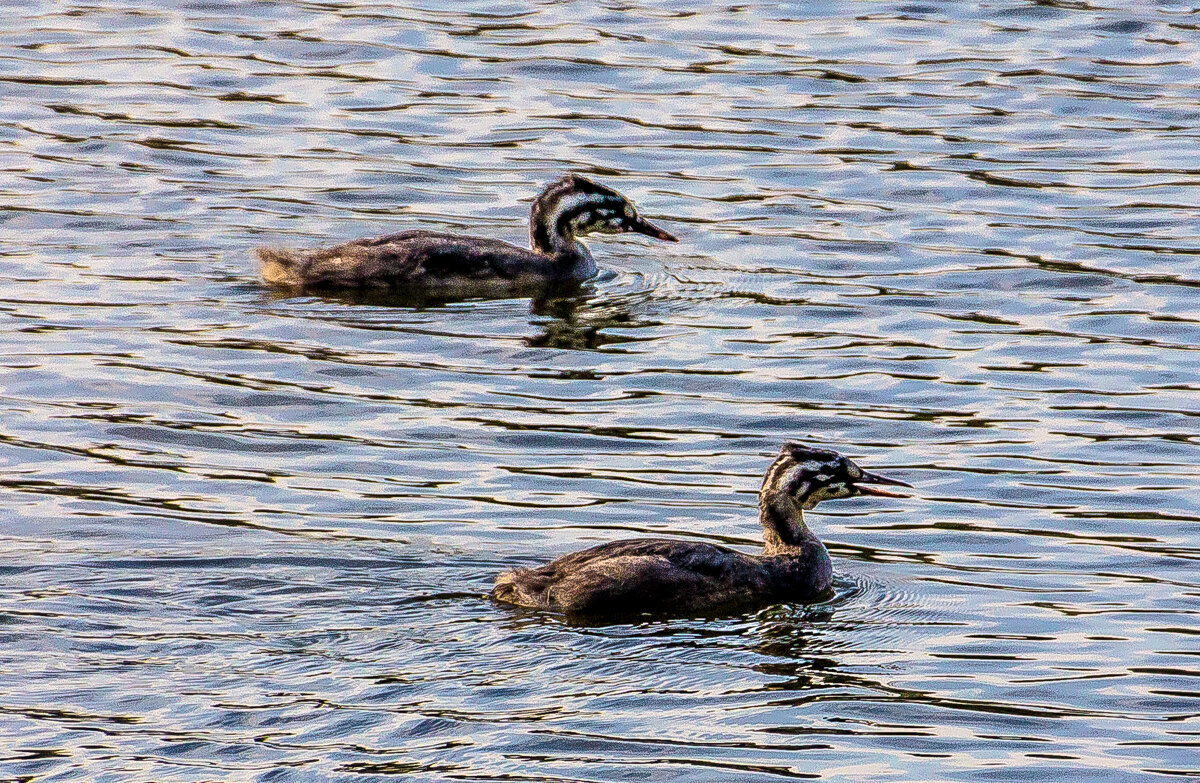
(246, 537)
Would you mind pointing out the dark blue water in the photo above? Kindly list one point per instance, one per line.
(247, 537)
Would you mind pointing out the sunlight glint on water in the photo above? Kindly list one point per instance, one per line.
(248, 535)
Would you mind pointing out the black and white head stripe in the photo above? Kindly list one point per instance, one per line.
(780, 472)
(801, 469)
(563, 198)
(579, 213)
(574, 205)
(810, 475)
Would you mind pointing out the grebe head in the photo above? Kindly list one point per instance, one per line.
(573, 206)
(805, 476)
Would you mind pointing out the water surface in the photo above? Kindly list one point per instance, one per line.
(246, 536)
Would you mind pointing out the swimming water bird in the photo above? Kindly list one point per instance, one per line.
(566, 210)
(672, 577)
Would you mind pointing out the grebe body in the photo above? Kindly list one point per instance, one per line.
(675, 577)
(431, 261)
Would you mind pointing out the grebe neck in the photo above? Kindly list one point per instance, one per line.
(783, 526)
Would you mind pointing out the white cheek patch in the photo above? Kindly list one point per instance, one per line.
(590, 212)
(591, 222)
(568, 203)
(794, 478)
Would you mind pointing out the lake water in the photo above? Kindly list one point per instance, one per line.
(247, 536)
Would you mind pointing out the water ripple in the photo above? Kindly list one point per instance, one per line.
(249, 535)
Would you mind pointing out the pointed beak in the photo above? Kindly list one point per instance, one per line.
(650, 230)
(874, 478)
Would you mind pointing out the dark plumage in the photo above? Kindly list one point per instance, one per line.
(430, 261)
(668, 576)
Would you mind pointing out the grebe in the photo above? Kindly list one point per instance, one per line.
(667, 576)
(566, 210)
